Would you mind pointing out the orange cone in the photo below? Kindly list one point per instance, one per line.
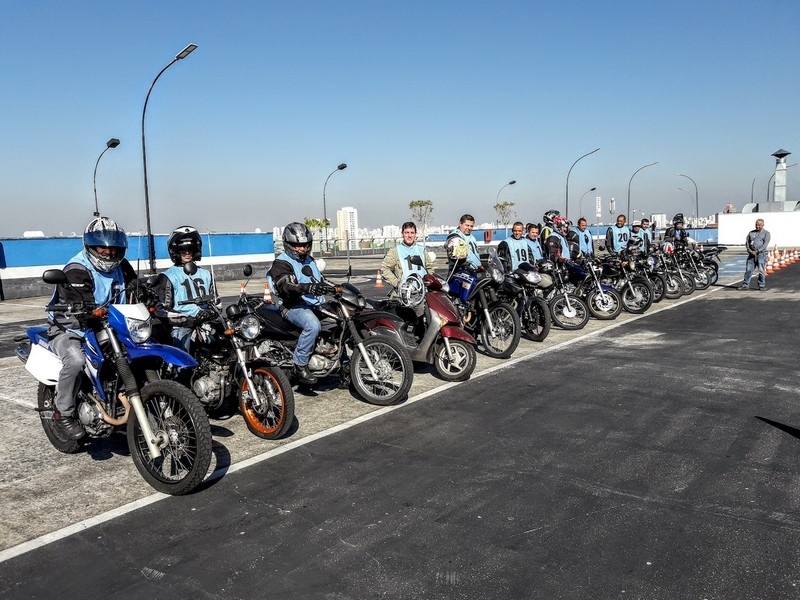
(241, 288)
(776, 265)
(379, 280)
(267, 294)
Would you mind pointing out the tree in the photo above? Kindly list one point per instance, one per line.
(316, 226)
(421, 211)
(505, 214)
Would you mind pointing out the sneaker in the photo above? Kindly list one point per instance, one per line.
(304, 375)
(761, 289)
(68, 426)
(744, 286)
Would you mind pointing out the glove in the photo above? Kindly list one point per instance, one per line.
(204, 315)
(315, 289)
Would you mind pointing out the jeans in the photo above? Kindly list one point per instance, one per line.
(760, 261)
(304, 318)
(181, 337)
(68, 347)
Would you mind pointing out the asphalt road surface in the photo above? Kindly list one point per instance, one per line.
(653, 457)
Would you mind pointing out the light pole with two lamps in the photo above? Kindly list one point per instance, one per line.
(112, 143)
(325, 221)
(628, 211)
(151, 248)
(566, 193)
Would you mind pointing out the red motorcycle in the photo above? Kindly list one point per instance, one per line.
(432, 328)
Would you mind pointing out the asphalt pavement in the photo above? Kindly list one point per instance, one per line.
(650, 457)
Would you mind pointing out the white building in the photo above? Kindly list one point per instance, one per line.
(347, 227)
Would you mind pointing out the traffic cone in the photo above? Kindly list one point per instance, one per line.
(770, 265)
(776, 265)
(267, 294)
(379, 280)
(783, 259)
(241, 288)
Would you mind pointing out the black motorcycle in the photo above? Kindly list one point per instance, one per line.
(567, 308)
(520, 289)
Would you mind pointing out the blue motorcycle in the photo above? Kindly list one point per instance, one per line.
(168, 433)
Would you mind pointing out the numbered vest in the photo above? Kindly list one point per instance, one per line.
(188, 287)
(109, 288)
(404, 254)
(520, 251)
(620, 236)
(301, 277)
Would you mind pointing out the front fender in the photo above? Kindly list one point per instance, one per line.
(377, 318)
(169, 354)
(458, 333)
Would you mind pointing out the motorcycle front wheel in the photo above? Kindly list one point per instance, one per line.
(605, 305)
(393, 369)
(507, 331)
(274, 416)
(637, 297)
(659, 284)
(536, 320)
(569, 311)
(674, 286)
(701, 279)
(688, 283)
(462, 363)
(181, 427)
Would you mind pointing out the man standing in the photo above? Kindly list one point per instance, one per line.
(461, 245)
(516, 249)
(397, 264)
(647, 236)
(585, 242)
(534, 243)
(756, 244)
(617, 236)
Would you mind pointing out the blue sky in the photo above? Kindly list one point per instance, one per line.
(445, 101)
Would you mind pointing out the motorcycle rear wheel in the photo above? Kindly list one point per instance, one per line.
(507, 329)
(536, 321)
(47, 405)
(272, 420)
(571, 316)
(176, 416)
(604, 306)
(463, 364)
(393, 366)
(638, 300)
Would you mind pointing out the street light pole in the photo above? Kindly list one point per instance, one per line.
(566, 194)
(580, 202)
(696, 199)
(497, 199)
(628, 211)
(690, 197)
(341, 167)
(112, 143)
(151, 248)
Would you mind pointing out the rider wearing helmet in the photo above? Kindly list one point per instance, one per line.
(299, 293)
(617, 236)
(676, 233)
(547, 227)
(555, 244)
(97, 275)
(180, 283)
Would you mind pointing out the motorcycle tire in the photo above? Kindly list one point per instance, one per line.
(461, 367)
(393, 366)
(701, 279)
(688, 283)
(536, 321)
(604, 306)
(674, 287)
(659, 286)
(713, 275)
(272, 420)
(47, 405)
(507, 331)
(570, 315)
(638, 299)
(176, 417)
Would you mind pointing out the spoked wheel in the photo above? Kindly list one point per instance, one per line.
(273, 415)
(459, 364)
(701, 279)
(659, 284)
(393, 369)
(604, 305)
(180, 427)
(47, 406)
(536, 319)
(569, 311)
(637, 297)
(507, 331)
(688, 283)
(713, 275)
(674, 286)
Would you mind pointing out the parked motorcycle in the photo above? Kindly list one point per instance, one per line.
(360, 345)
(434, 334)
(635, 289)
(494, 322)
(521, 289)
(168, 433)
(229, 373)
(567, 309)
(602, 300)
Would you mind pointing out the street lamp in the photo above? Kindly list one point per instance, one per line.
(566, 194)
(497, 199)
(112, 143)
(696, 199)
(690, 198)
(151, 248)
(628, 211)
(341, 167)
(580, 202)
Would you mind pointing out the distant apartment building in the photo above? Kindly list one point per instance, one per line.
(347, 227)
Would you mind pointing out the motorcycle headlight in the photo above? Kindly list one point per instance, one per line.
(651, 260)
(139, 330)
(532, 277)
(249, 327)
(497, 275)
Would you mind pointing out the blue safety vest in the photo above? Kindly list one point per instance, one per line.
(188, 287)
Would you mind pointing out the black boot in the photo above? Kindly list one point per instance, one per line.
(68, 426)
(304, 375)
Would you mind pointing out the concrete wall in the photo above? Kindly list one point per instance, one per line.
(783, 227)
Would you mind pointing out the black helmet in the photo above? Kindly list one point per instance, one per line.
(184, 238)
(297, 234)
(677, 219)
(104, 233)
(635, 243)
(549, 216)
